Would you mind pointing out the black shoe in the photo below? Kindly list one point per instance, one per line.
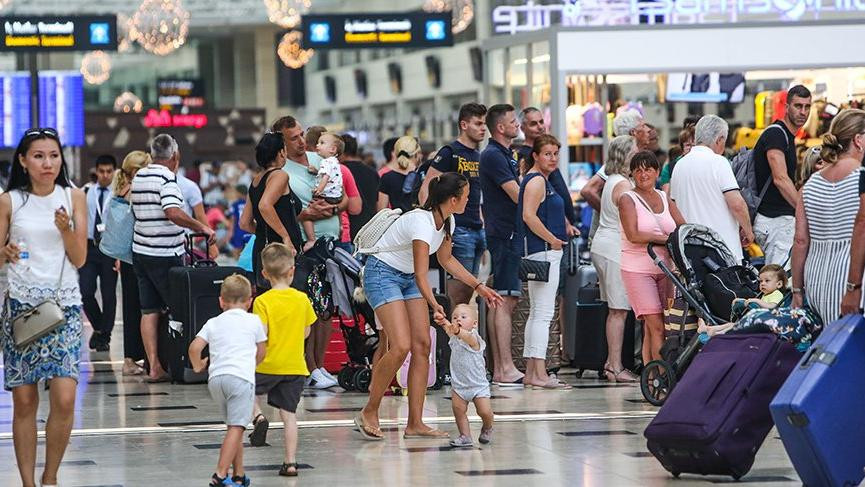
(95, 339)
(258, 437)
(103, 346)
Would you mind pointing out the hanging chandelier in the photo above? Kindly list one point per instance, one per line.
(160, 26)
(290, 51)
(463, 11)
(286, 13)
(126, 33)
(96, 67)
(128, 102)
(4, 3)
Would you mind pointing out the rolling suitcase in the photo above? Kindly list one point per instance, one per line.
(194, 299)
(818, 409)
(717, 417)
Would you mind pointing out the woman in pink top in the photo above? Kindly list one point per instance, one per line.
(648, 216)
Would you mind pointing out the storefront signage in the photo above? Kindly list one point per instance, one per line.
(66, 33)
(386, 30)
(176, 94)
(164, 118)
(511, 19)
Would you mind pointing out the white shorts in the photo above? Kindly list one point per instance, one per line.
(612, 286)
(234, 396)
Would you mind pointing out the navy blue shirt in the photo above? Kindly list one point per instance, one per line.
(498, 166)
(455, 157)
(551, 211)
(556, 180)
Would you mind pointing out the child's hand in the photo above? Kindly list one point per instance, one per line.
(311, 170)
(308, 245)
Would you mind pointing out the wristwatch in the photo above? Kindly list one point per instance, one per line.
(853, 287)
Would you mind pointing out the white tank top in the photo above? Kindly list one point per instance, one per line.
(33, 222)
(608, 238)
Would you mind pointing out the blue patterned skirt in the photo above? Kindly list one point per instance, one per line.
(57, 354)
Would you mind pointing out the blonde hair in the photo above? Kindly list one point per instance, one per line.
(235, 289)
(845, 126)
(618, 161)
(337, 141)
(132, 163)
(472, 310)
(809, 164)
(405, 148)
(277, 260)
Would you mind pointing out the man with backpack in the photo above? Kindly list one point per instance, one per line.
(774, 163)
(462, 156)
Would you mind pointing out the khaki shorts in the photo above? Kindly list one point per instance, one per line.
(612, 287)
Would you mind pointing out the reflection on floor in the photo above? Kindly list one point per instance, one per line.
(128, 433)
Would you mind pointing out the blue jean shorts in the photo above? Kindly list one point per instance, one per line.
(505, 267)
(383, 284)
(468, 247)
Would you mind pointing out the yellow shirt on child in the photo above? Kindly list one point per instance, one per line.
(286, 313)
(774, 297)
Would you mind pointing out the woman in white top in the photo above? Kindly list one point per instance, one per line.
(396, 286)
(45, 222)
(607, 255)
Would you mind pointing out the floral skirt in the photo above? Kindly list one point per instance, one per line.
(56, 354)
(799, 326)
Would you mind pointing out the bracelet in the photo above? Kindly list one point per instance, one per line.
(798, 290)
(480, 283)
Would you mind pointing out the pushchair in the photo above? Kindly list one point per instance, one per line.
(709, 280)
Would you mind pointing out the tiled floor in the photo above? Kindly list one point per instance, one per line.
(128, 433)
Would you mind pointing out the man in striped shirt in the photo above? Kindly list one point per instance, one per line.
(157, 243)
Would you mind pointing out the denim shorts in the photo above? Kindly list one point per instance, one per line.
(383, 284)
(505, 267)
(468, 247)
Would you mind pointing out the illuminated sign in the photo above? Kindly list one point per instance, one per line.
(531, 16)
(350, 31)
(176, 94)
(165, 119)
(61, 106)
(55, 33)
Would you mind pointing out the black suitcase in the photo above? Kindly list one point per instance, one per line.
(194, 299)
(443, 349)
(585, 334)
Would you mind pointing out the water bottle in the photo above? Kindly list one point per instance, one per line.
(23, 254)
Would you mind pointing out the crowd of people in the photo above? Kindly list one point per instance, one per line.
(509, 199)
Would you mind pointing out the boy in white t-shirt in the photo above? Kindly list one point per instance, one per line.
(329, 176)
(237, 344)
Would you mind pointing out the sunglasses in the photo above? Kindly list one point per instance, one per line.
(41, 131)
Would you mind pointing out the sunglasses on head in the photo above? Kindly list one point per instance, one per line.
(41, 131)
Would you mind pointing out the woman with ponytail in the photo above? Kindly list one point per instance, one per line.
(396, 286)
(133, 347)
(828, 246)
(392, 185)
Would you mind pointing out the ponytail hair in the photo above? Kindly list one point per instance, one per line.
(132, 163)
(406, 148)
(845, 126)
(442, 188)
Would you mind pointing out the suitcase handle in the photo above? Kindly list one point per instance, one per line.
(194, 259)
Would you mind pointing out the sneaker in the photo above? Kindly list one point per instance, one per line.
(320, 381)
(217, 481)
(462, 441)
(486, 436)
(243, 481)
(307, 383)
(327, 374)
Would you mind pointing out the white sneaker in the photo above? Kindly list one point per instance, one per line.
(327, 374)
(320, 381)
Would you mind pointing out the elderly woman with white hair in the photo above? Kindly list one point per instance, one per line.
(607, 255)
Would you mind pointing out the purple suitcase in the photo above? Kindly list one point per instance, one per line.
(717, 417)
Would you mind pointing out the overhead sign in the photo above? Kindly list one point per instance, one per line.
(177, 94)
(61, 106)
(59, 33)
(165, 119)
(531, 16)
(386, 30)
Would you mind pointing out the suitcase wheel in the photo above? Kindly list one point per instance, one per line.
(345, 378)
(676, 474)
(657, 381)
(362, 379)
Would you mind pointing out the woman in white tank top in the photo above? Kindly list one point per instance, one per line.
(45, 221)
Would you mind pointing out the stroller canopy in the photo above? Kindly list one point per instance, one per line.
(691, 242)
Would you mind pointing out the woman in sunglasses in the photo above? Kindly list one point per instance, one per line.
(44, 221)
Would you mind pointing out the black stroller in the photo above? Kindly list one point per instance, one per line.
(709, 282)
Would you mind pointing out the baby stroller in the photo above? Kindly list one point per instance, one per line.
(710, 280)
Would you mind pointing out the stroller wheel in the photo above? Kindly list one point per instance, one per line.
(656, 382)
(345, 378)
(362, 379)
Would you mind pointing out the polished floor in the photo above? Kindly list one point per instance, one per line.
(128, 433)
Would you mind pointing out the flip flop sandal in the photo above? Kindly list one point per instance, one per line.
(160, 379)
(284, 472)
(555, 385)
(431, 434)
(368, 433)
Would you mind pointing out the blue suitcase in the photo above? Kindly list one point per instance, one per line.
(818, 410)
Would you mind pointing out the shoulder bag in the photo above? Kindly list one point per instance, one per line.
(45, 317)
(116, 241)
(531, 270)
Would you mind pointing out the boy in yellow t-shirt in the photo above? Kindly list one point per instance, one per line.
(287, 315)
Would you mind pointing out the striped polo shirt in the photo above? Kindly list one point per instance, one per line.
(154, 190)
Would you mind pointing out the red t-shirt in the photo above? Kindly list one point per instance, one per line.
(215, 216)
(351, 191)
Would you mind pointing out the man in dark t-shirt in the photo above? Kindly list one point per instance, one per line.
(366, 179)
(462, 156)
(775, 165)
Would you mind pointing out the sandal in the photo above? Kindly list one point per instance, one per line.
(430, 434)
(285, 472)
(258, 437)
(368, 432)
(629, 376)
(555, 384)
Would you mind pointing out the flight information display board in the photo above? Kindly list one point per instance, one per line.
(59, 33)
(383, 30)
(61, 106)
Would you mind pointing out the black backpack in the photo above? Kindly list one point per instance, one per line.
(414, 180)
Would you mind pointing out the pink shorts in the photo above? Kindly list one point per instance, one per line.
(647, 293)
